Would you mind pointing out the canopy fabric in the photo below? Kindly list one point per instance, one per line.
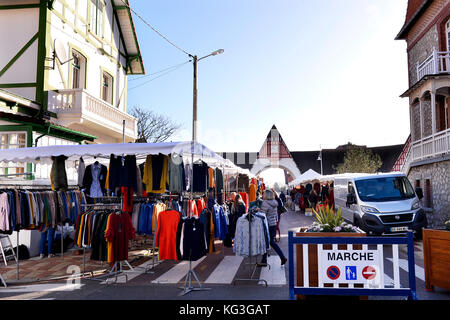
(309, 175)
(74, 152)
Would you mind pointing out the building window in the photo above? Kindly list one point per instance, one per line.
(96, 21)
(107, 87)
(428, 194)
(447, 33)
(78, 70)
(12, 140)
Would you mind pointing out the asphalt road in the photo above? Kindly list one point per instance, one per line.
(142, 286)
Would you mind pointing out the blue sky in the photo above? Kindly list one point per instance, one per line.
(325, 72)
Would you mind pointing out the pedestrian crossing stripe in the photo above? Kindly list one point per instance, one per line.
(226, 270)
(51, 287)
(175, 274)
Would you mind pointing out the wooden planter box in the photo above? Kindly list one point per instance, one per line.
(436, 254)
(313, 257)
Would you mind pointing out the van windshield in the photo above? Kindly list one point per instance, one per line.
(384, 189)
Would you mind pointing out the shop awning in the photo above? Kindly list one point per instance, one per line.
(140, 150)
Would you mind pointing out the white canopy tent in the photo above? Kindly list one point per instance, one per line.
(309, 175)
(191, 151)
(141, 150)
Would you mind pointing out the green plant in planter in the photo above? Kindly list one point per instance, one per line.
(329, 220)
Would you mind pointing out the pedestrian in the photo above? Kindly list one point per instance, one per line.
(269, 207)
(47, 235)
(313, 198)
(283, 197)
(279, 212)
(238, 207)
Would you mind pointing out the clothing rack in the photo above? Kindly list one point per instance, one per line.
(43, 188)
(117, 268)
(255, 264)
(191, 273)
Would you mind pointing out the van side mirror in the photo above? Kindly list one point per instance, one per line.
(350, 199)
(419, 193)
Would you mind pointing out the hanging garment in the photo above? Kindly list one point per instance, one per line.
(115, 166)
(96, 189)
(138, 182)
(156, 173)
(128, 172)
(4, 212)
(177, 179)
(211, 178)
(193, 243)
(219, 180)
(127, 205)
(158, 208)
(96, 179)
(188, 176)
(252, 193)
(58, 175)
(118, 232)
(250, 239)
(244, 197)
(145, 219)
(206, 220)
(243, 182)
(166, 234)
(221, 227)
(99, 245)
(81, 169)
(200, 177)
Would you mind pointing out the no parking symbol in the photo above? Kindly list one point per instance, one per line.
(333, 272)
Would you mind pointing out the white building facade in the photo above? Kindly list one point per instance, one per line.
(63, 74)
(426, 157)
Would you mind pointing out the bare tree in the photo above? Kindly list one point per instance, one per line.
(153, 127)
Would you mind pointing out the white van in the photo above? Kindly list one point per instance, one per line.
(383, 203)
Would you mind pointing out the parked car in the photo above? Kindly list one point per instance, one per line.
(379, 204)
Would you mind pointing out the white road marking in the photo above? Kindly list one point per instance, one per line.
(403, 264)
(225, 271)
(175, 274)
(42, 288)
(276, 274)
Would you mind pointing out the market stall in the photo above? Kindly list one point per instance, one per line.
(202, 177)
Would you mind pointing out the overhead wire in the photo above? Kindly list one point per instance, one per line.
(155, 30)
(162, 70)
(163, 74)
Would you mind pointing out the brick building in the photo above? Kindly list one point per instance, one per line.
(427, 157)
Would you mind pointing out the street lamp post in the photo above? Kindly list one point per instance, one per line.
(320, 159)
(194, 111)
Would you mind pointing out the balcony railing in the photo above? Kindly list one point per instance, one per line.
(77, 105)
(431, 146)
(437, 62)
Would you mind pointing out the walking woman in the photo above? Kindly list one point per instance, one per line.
(269, 207)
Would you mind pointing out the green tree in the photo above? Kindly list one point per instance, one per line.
(359, 160)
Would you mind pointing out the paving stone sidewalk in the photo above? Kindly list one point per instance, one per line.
(62, 267)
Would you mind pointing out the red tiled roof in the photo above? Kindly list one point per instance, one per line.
(413, 6)
(412, 13)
